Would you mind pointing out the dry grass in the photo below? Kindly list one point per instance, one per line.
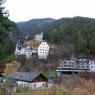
(88, 88)
(45, 91)
(11, 67)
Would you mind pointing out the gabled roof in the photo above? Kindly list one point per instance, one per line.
(32, 43)
(23, 76)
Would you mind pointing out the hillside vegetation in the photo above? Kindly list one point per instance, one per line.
(76, 34)
(6, 26)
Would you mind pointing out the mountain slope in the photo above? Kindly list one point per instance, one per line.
(76, 33)
(33, 26)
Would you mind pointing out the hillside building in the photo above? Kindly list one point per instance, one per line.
(23, 50)
(41, 48)
(30, 80)
(75, 66)
(39, 37)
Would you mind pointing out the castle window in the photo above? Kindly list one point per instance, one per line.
(91, 66)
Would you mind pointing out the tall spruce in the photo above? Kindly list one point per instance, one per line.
(5, 27)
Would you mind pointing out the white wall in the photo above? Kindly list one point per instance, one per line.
(43, 50)
(34, 50)
(39, 37)
(31, 85)
(92, 66)
(23, 51)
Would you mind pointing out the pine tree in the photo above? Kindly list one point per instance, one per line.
(79, 43)
(5, 27)
(92, 44)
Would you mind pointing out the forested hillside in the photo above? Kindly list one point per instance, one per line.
(33, 26)
(77, 34)
(78, 31)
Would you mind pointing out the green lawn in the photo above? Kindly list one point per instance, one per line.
(50, 73)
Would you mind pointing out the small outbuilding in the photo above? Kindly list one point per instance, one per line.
(28, 79)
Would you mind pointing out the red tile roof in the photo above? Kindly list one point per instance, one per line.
(32, 43)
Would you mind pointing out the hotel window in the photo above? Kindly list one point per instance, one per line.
(91, 66)
(87, 66)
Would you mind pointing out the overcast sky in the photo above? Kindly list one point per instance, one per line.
(23, 10)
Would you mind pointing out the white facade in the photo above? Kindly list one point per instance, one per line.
(39, 37)
(92, 66)
(34, 84)
(34, 50)
(23, 51)
(43, 50)
(31, 85)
